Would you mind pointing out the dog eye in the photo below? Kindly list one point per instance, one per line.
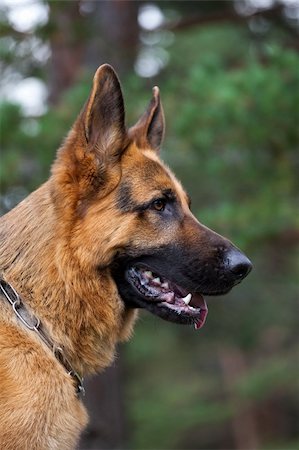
(159, 204)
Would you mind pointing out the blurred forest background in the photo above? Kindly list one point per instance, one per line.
(229, 78)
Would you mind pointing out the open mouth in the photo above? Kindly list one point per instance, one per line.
(166, 299)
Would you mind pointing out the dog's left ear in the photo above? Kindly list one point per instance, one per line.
(89, 156)
(149, 130)
(104, 114)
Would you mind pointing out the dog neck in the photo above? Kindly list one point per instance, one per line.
(75, 305)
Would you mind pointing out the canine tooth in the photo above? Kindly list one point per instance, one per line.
(187, 299)
(148, 273)
(165, 285)
(157, 280)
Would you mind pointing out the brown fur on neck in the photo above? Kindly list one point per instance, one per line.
(37, 260)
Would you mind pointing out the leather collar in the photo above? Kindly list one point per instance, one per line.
(34, 324)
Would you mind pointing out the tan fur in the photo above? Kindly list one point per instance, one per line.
(56, 248)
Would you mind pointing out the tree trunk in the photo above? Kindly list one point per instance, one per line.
(109, 34)
(104, 402)
(67, 43)
(116, 34)
(244, 426)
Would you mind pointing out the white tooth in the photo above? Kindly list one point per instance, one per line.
(165, 285)
(157, 280)
(187, 299)
(148, 273)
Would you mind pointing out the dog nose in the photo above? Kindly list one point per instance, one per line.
(238, 264)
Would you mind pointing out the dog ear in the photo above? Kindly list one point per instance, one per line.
(149, 130)
(104, 114)
(88, 157)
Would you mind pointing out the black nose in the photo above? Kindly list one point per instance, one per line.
(238, 264)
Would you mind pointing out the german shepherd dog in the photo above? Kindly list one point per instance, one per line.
(110, 232)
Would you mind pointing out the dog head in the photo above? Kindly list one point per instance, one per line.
(127, 215)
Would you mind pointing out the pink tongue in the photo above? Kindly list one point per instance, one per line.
(200, 303)
(197, 301)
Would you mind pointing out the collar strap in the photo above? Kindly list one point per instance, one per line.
(33, 323)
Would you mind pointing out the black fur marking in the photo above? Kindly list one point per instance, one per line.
(125, 201)
(124, 198)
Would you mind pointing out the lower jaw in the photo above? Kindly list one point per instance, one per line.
(169, 313)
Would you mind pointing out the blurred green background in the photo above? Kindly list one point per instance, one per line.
(229, 79)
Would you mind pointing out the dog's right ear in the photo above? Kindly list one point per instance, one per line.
(148, 132)
(104, 116)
